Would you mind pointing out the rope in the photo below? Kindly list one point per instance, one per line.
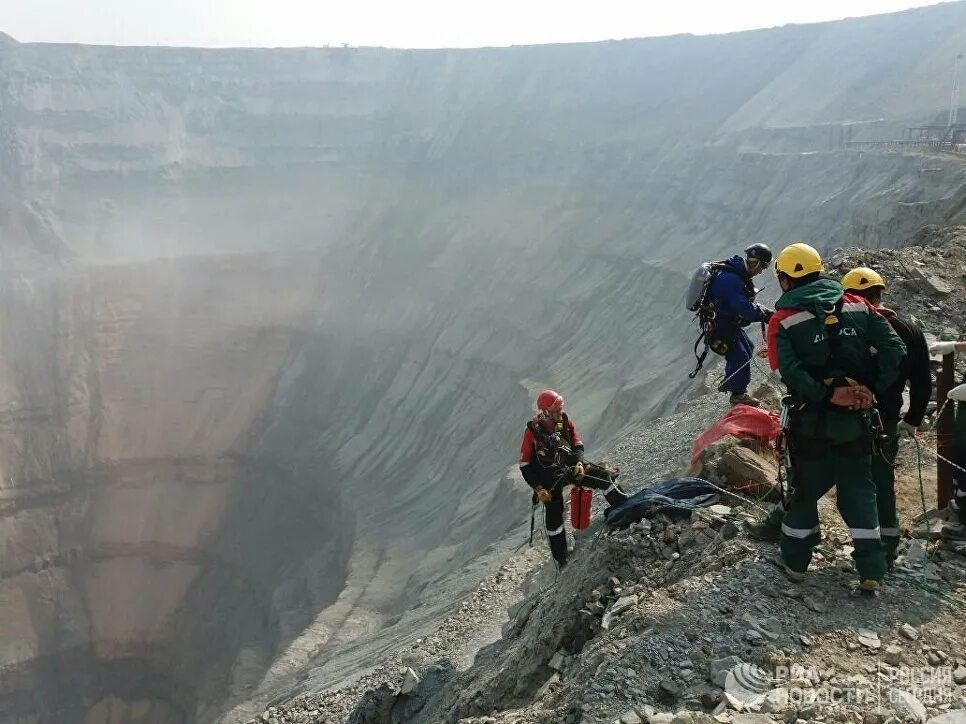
(594, 477)
(941, 410)
(922, 497)
(737, 495)
(928, 587)
(768, 380)
(944, 459)
(728, 378)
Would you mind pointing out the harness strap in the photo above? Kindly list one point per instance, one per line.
(551, 445)
(700, 358)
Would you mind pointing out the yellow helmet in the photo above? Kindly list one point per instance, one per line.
(862, 278)
(798, 260)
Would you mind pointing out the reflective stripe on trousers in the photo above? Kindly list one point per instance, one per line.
(799, 532)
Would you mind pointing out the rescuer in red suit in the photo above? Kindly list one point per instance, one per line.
(552, 456)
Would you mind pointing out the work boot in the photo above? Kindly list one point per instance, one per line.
(616, 496)
(954, 531)
(558, 548)
(791, 575)
(765, 531)
(869, 586)
(744, 398)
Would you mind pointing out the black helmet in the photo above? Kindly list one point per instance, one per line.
(760, 252)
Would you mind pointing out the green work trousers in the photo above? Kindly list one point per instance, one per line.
(814, 475)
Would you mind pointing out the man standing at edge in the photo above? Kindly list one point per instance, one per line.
(731, 294)
(820, 339)
(915, 370)
(551, 457)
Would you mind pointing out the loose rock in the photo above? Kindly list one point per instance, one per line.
(410, 682)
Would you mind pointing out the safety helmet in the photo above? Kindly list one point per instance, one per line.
(550, 401)
(798, 260)
(759, 252)
(862, 278)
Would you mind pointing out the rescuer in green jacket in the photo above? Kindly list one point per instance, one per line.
(822, 338)
(914, 369)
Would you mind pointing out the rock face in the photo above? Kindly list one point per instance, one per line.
(128, 474)
(271, 321)
(655, 150)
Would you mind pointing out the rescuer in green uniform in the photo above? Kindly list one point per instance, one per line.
(822, 339)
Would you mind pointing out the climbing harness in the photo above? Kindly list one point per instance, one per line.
(706, 314)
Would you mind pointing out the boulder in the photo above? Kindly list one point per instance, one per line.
(557, 661)
(950, 717)
(719, 669)
(409, 683)
(907, 706)
(623, 603)
(934, 286)
(740, 465)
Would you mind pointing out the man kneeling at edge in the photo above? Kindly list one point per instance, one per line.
(551, 457)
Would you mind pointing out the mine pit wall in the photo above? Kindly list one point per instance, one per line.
(198, 452)
(152, 560)
(319, 412)
(219, 471)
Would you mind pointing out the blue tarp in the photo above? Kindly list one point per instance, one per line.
(663, 497)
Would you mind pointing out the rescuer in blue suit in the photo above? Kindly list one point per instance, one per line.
(731, 292)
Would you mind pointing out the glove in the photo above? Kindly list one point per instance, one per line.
(543, 495)
(942, 348)
(854, 398)
(907, 430)
(958, 393)
(579, 472)
(766, 313)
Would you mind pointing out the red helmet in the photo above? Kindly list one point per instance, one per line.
(550, 401)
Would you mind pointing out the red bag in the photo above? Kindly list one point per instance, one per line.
(740, 421)
(580, 499)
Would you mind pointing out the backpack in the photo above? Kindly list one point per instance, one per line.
(706, 313)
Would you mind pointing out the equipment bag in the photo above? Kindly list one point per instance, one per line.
(695, 301)
(580, 500)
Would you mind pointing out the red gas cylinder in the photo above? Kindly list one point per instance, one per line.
(580, 499)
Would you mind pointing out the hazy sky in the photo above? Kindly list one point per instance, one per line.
(404, 23)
